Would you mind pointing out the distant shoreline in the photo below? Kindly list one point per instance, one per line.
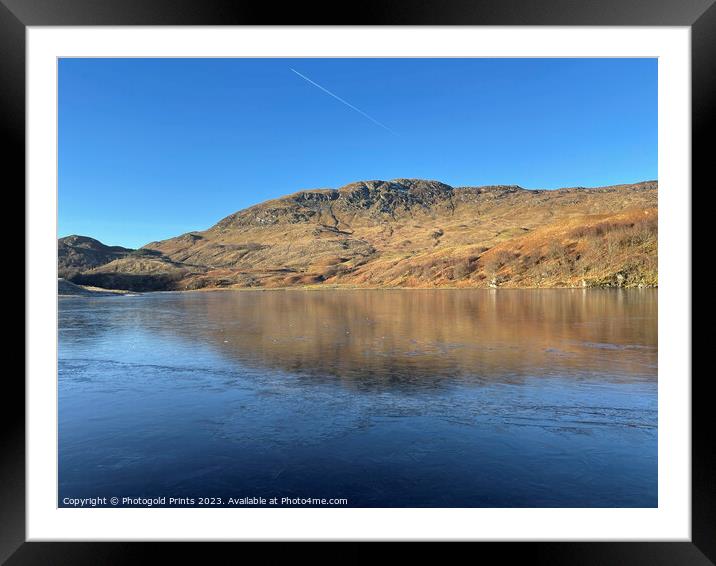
(66, 288)
(98, 291)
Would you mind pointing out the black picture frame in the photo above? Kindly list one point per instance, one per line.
(17, 15)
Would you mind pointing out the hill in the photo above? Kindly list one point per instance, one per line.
(76, 254)
(410, 233)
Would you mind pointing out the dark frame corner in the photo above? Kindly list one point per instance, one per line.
(16, 15)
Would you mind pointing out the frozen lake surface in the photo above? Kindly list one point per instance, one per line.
(395, 398)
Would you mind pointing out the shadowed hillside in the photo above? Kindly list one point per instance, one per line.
(410, 233)
(76, 254)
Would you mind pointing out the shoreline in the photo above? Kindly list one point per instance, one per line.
(98, 291)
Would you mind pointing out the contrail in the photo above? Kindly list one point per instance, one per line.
(305, 78)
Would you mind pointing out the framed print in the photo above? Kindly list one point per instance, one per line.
(403, 278)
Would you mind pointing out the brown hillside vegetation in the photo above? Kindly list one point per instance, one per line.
(410, 233)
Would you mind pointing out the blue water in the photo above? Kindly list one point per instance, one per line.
(406, 398)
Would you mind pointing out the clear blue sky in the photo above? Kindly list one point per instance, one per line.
(152, 148)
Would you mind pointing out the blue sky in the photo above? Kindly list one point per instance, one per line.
(152, 148)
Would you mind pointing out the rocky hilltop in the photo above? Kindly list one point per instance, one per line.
(406, 233)
(76, 254)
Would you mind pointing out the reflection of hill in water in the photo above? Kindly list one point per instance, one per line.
(424, 337)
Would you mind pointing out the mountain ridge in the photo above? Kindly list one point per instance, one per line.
(409, 233)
